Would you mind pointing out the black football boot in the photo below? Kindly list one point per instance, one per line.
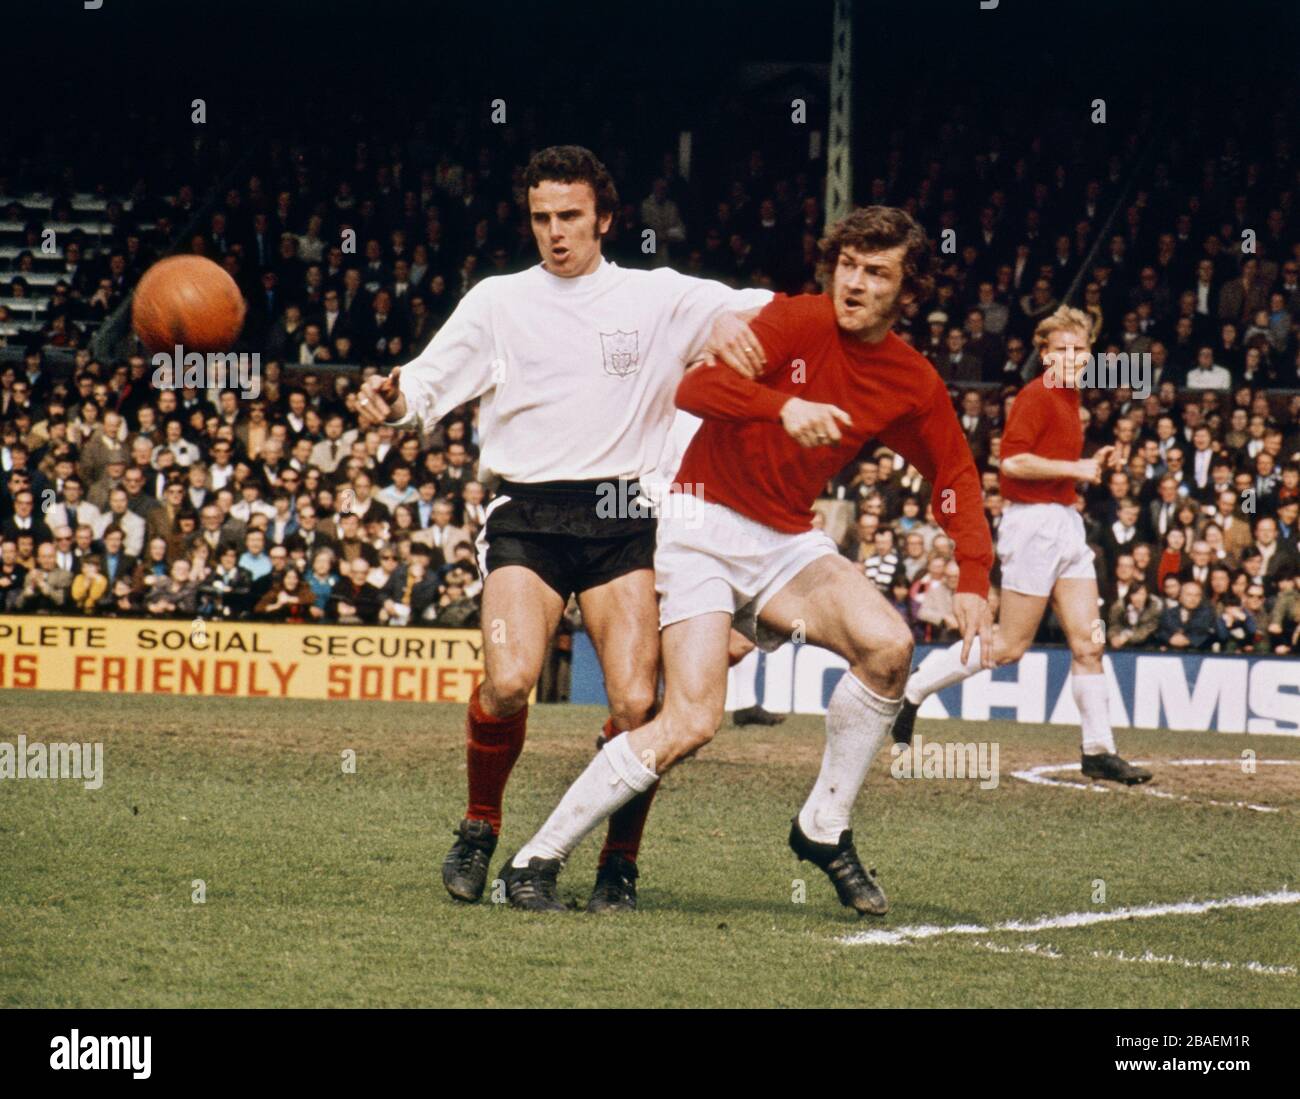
(615, 889)
(465, 869)
(756, 715)
(534, 887)
(856, 887)
(1107, 765)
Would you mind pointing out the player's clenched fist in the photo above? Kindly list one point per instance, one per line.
(380, 399)
(1106, 458)
(1092, 469)
(1088, 471)
(812, 424)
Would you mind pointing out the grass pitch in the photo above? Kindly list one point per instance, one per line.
(322, 889)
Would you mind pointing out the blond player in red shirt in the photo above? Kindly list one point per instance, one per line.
(1043, 549)
(736, 543)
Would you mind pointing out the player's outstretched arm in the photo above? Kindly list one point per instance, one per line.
(932, 440)
(456, 367)
(713, 321)
(717, 393)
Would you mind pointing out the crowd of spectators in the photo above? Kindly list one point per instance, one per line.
(121, 499)
(258, 518)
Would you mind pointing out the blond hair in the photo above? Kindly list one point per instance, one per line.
(1063, 320)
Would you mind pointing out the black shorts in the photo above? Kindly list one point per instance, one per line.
(575, 535)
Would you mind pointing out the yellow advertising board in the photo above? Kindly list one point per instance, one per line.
(246, 660)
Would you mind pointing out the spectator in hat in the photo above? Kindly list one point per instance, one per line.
(114, 470)
(933, 344)
(105, 444)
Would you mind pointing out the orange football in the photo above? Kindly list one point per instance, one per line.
(187, 300)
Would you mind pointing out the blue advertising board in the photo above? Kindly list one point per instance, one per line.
(1148, 690)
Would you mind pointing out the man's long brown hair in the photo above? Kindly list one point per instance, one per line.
(876, 229)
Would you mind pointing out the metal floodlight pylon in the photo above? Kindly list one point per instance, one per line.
(839, 146)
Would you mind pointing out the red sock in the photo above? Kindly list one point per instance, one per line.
(627, 824)
(492, 746)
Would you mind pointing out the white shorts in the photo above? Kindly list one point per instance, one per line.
(1040, 544)
(709, 558)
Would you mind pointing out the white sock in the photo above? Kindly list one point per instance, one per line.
(942, 670)
(1093, 700)
(610, 781)
(857, 722)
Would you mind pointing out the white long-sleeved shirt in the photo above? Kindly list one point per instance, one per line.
(577, 375)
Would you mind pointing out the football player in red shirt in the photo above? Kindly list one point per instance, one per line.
(1043, 549)
(736, 543)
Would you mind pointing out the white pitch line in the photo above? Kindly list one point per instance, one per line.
(918, 932)
(1038, 950)
(1187, 963)
(1038, 777)
(1046, 950)
(1213, 762)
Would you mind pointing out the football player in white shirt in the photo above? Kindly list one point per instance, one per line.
(577, 361)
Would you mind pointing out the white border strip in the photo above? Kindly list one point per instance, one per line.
(1038, 777)
(918, 932)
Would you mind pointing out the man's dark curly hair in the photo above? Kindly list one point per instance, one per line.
(876, 229)
(574, 164)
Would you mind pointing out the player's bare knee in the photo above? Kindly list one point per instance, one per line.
(1008, 654)
(895, 653)
(1086, 653)
(690, 730)
(632, 708)
(885, 661)
(702, 725)
(507, 691)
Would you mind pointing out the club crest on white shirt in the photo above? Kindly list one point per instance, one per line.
(620, 353)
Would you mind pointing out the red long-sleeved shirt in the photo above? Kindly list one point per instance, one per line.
(1044, 422)
(742, 458)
